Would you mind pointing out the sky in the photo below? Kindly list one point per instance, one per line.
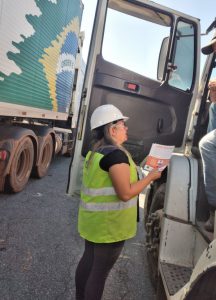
(205, 10)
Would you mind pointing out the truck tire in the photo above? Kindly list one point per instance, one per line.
(46, 156)
(155, 200)
(153, 227)
(158, 199)
(21, 166)
(160, 292)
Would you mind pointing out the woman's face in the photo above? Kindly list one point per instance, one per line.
(118, 132)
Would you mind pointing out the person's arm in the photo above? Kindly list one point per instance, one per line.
(120, 176)
(212, 90)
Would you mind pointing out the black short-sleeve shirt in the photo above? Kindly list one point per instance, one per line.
(114, 156)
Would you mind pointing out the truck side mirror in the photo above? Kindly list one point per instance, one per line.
(162, 58)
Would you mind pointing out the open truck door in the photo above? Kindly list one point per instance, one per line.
(144, 59)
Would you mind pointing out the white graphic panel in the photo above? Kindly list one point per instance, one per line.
(13, 28)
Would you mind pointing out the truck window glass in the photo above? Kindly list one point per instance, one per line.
(134, 43)
(182, 74)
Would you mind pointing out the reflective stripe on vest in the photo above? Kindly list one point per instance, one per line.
(103, 217)
(99, 192)
(120, 205)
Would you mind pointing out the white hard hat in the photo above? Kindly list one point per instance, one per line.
(105, 114)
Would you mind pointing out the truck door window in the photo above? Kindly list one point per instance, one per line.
(134, 43)
(181, 74)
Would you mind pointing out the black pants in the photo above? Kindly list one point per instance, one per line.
(94, 267)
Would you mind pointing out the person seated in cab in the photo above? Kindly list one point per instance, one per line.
(207, 146)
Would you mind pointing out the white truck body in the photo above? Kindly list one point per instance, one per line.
(39, 69)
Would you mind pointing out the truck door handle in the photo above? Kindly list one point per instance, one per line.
(160, 125)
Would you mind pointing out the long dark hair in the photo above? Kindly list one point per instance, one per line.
(101, 138)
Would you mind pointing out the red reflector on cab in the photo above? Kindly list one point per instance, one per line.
(132, 86)
(3, 154)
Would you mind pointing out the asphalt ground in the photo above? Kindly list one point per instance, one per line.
(40, 246)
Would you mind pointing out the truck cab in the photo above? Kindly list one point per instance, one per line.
(181, 253)
(144, 58)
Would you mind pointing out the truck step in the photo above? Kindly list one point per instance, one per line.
(175, 276)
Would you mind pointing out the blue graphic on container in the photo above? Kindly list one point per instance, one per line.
(65, 72)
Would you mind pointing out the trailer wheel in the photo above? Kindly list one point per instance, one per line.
(46, 156)
(21, 166)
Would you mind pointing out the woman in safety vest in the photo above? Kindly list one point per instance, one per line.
(108, 207)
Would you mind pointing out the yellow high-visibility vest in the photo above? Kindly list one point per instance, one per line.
(103, 217)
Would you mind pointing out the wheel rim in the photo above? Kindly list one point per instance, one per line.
(46, 157)
(47, 153)
(22, 168)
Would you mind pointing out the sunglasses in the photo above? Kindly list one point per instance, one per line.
(122, 124)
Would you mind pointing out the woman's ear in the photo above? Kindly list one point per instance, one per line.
(112, 131)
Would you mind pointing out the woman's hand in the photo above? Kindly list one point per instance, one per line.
(120, 176)
(154, 174)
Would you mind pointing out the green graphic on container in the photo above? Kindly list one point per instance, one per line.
(46, 58)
